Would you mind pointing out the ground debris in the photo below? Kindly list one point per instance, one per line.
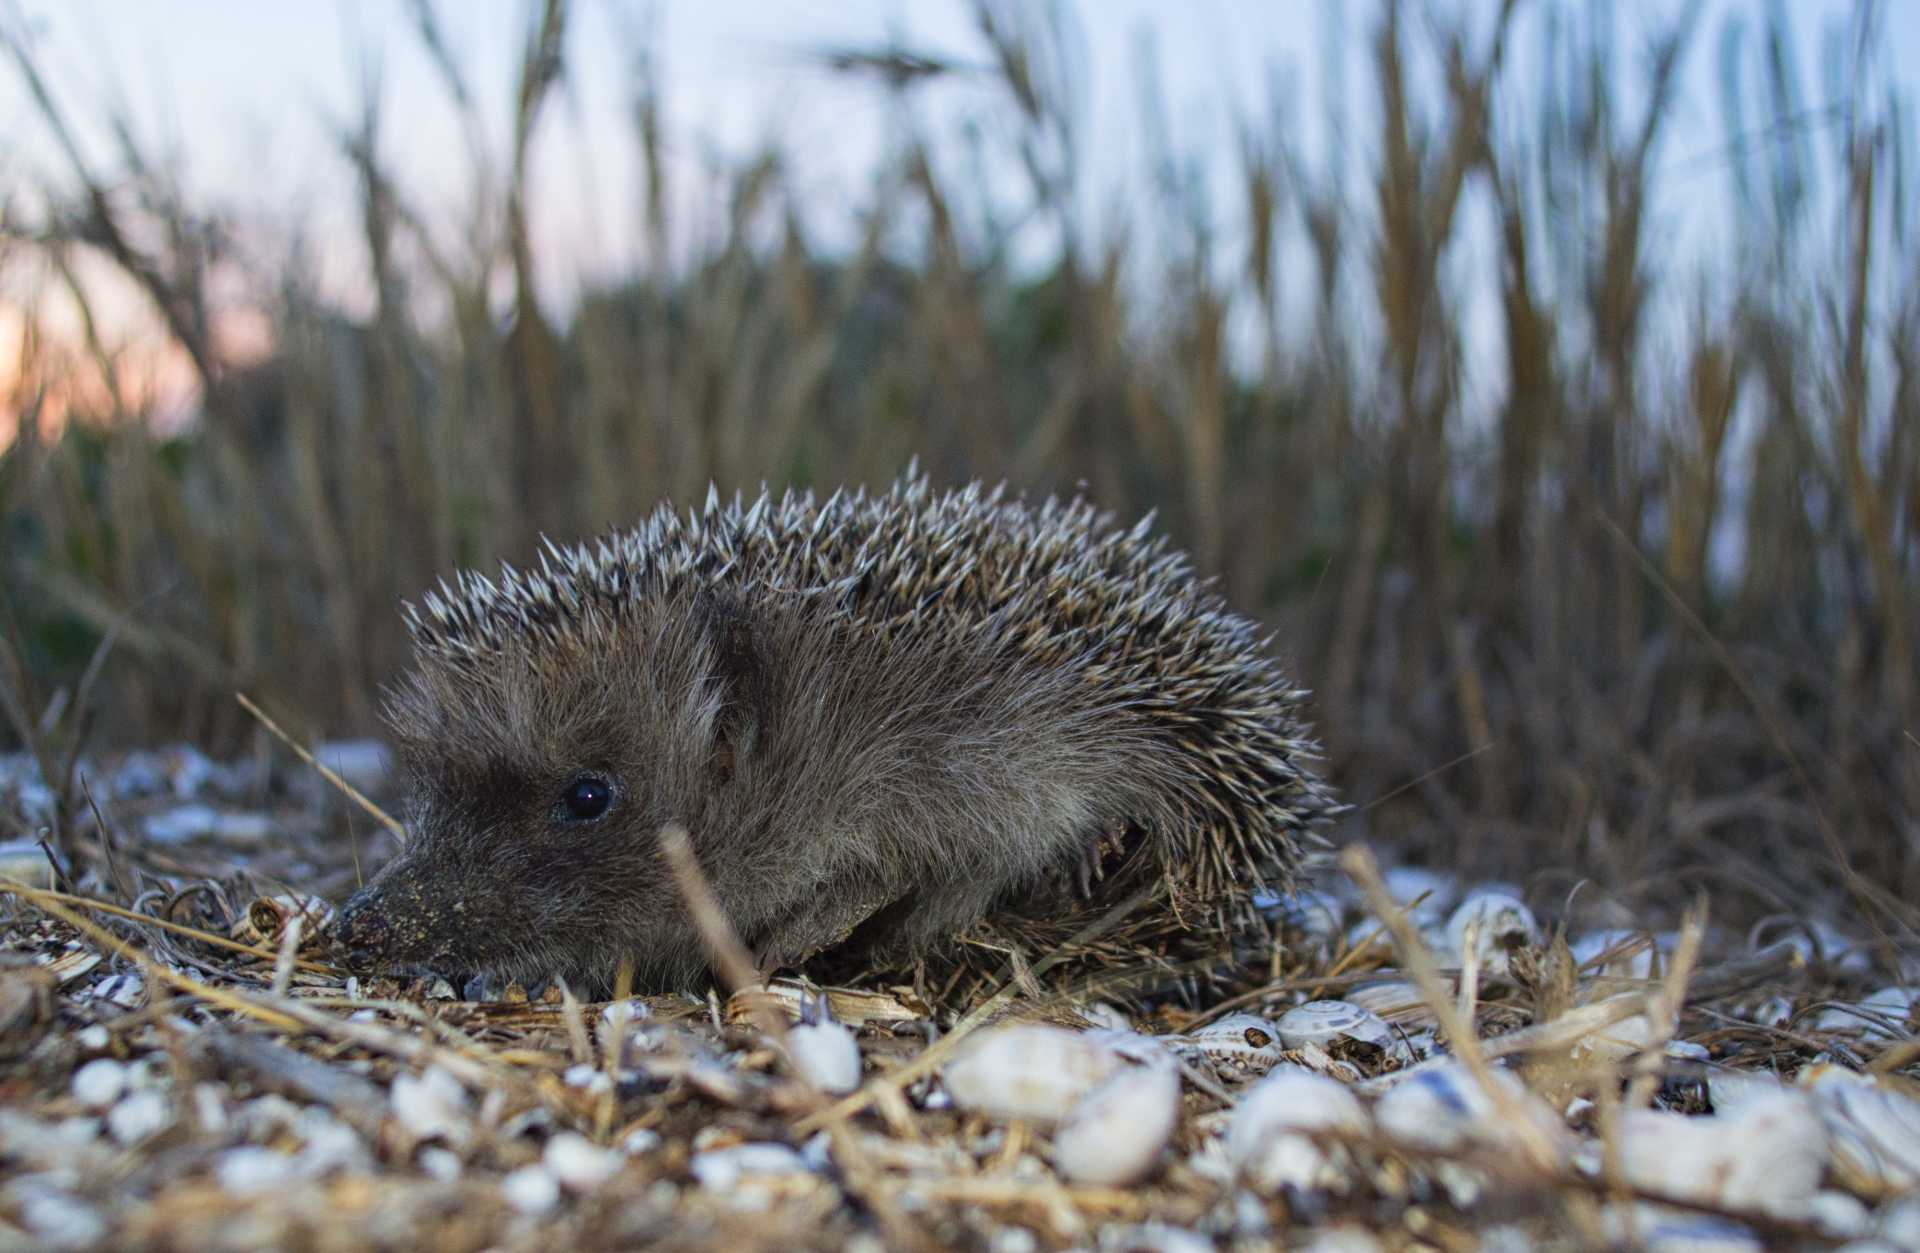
(181, 1066)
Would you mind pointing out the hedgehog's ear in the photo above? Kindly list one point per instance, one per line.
(739, 672)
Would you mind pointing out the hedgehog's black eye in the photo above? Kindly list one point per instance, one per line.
(586, 798)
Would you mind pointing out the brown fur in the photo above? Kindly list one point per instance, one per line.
(905, 711)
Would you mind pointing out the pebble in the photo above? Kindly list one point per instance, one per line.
(587, 1078)
(1875, 1129)
(1767, 1156)
(137, 1117)
(441, 1164)
(578, 1162)
(434, 1104)
(1264, 1141)
(99, 1083)
(1899, 1222)
(1445, 1108)
(1839, 1215)
(1027, 1071)
(59, 1220)
(253, 1169)
(1116, 1133)
(719, 1170)
(826, 1054)
(533, 1190)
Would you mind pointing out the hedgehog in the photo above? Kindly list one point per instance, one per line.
(883, 719)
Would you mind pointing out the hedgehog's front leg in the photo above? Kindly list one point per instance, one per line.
(820, 923)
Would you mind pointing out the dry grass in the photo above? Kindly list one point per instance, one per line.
(1527, 589)
(263, 1059)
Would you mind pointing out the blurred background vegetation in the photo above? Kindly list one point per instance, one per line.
(1641, 604)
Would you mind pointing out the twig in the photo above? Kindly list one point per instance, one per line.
(735, 966)
(1664, 1009)
(379, 815)
(1461, 1033)
(38, 895)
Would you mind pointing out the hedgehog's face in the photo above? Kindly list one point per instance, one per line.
(537, 793)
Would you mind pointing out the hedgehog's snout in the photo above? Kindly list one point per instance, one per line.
(363, 932)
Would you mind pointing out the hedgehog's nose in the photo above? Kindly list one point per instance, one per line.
(362, 931)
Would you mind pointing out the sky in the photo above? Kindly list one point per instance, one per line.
(248, 98)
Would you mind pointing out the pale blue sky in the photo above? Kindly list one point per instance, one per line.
(241, 92)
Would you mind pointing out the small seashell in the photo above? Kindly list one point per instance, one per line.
(1313, 1058)
(1341, 1028)
(1875, 1130)
(578, 1162)
(123, 990)
(1244, 1043)
(720, 1170)
(1263, 1140)
(137, 1117)
(267, 917)
(1767, 1156)
(1114, 1135)
(70, 966)
(99, 1083)
(432, 1105)
(532, 1189)
(330, 1145)
(1499, 924)
(1395, 1000)
(1444, 1108)
(1027, 1071)
(826, 1055)
(853, 1006)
